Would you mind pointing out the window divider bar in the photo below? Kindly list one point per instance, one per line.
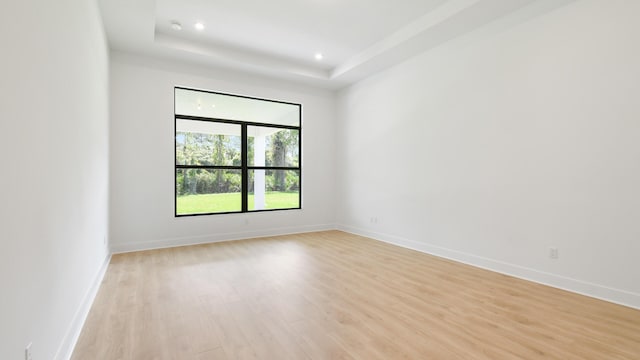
(221, 167)
(273, 168)
(236, 122)
(244, 143)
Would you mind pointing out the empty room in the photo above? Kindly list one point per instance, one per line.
(320, 179)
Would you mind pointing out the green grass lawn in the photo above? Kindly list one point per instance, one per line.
(229, 202)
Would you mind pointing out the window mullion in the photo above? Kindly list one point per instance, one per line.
(245, 172)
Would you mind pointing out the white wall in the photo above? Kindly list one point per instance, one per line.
(53, 213)
(142, 156)
(493, 150)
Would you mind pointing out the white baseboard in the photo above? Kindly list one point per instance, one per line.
(212, 238)
(73, 333)
(601, 292)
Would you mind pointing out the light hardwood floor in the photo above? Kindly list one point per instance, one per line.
(332, 295)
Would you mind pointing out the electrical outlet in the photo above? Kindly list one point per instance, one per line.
(27, 352)
(553, 253)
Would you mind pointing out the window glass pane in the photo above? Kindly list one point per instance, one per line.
(274, 189)
(208, 191)
(273, 147)
(229, 107)
(207, 143)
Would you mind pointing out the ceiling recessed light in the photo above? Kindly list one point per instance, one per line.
(176, 26)
(199, 26)
(318, 56)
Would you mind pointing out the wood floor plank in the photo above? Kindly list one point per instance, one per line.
(333, 295)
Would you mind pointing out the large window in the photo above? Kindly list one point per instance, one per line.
(235, 153)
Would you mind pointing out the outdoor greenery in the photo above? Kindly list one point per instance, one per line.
(218, 190)
(207, 149)
(210, 203)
